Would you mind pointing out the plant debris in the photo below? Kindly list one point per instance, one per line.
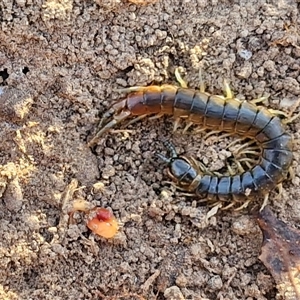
(281, 253)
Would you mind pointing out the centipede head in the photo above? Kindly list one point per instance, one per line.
(182, 170)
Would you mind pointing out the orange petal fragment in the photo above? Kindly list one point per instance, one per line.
(103, 223)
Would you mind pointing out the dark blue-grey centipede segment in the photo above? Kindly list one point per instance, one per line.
(246, 119)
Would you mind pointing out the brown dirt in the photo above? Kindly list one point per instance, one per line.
(60, 61)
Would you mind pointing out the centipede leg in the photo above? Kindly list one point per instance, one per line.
(265, 203)
(181, 81)
(202, 84)
(202, 167)
(227, 90)
(210, 133)
(135, 120)
(291, 173)
(176, 124)
(213, 211)
(239, 166)
(117, 119)
(181, 189)
(258, 100)
(289, 120)
(239, 141)
(254, 148)
(249, 152)
(249, 166)
(230, 171)
(280, 188)
(116, 110)
(292, 109)
(242, 156)
(250, 162)
(247, 160)
(200, 130)
(279, 113)
(287, 116)
(104, 118)
(225, 135)
(229, 205)
(243, 206)
(187, 126)
(130, 89)
(156, 117)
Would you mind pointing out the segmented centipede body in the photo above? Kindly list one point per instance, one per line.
(218, 113)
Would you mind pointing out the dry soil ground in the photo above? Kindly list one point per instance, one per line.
(60, 61)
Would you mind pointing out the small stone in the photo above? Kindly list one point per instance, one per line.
(181, 280)
(215, 282)
(173, 293)
(108, 172)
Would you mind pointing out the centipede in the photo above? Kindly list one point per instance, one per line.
(220, 113)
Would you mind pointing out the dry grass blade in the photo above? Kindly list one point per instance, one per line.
(281, 253)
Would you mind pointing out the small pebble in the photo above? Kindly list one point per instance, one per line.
(108, 172)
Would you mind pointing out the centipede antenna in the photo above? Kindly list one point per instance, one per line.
(171, 148)
(165, 159)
